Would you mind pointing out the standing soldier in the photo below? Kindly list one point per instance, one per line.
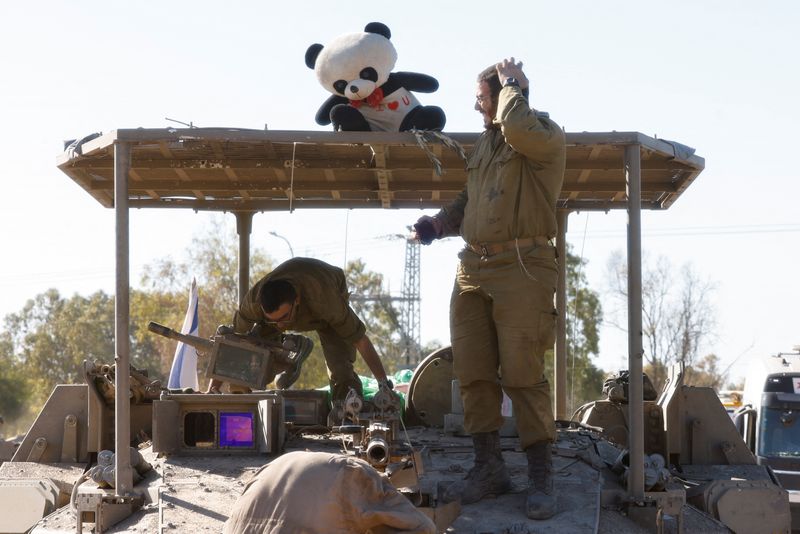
(305, 294)
(502, 317)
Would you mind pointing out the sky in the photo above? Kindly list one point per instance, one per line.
(719, 76)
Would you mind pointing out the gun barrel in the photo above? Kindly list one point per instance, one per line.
(194, 341)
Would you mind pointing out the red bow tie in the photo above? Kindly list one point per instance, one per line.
(372, 100)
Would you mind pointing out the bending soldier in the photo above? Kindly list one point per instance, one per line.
(304, 294)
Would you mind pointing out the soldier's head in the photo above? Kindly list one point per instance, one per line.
(278, 299)
(488, 93)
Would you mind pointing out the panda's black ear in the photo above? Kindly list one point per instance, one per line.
(312, 53)
(380, 29)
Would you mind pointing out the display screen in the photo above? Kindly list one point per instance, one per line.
(236, 429)
(301, 411)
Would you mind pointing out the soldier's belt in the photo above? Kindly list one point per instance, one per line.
(490, 249)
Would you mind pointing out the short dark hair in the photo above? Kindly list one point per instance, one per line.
(274, 293)
(489, 75)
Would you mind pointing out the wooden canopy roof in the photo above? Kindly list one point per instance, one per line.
(267, 170)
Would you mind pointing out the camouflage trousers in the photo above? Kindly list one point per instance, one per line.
(339, 358)
(502, 321)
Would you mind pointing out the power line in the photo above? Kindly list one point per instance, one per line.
(705, 230)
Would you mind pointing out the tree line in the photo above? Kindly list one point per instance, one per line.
(46, 342)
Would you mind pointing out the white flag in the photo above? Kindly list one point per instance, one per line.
(184, 365)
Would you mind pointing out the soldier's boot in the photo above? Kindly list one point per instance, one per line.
(301, 347)
(541, 501)
(487, 478)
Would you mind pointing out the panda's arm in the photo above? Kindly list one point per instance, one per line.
(414, 81)
(323, 117)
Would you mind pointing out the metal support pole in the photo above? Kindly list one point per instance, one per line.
(123, 477)
(244, 226)
(633, 177)
(561, 326)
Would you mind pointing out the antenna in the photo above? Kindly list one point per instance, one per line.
(410, 318)
(187, 124)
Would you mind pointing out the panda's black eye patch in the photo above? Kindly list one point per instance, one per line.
(339, 86)
(369, 74)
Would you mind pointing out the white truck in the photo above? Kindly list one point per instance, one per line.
(769, 419)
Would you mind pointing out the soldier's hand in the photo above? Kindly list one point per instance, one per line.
(224, 329)
(428, 228)
(385, 397)
(508, 68)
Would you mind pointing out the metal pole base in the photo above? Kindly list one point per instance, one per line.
(103, 508)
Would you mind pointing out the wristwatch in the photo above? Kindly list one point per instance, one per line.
(511, 82)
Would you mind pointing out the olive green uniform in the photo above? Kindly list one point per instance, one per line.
(323, 306)
(502, 317)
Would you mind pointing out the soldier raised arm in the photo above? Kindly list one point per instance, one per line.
(502, 317)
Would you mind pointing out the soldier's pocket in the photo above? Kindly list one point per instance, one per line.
(474, 162)
(509, 155)
(522, 352)
(538, 273)
(547, 330)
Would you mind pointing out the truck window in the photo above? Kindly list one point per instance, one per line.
(780, 433)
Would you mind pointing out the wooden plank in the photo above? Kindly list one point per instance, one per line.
(353, 164)
(382, 175)
(384, 184)
(585, 172)
(330, 175)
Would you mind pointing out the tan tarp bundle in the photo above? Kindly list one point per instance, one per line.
(317, 492)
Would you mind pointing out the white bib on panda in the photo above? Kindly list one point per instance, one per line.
(391, 111)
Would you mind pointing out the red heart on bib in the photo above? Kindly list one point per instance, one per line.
(393, 105)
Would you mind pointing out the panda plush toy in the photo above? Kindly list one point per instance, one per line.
(367, 95)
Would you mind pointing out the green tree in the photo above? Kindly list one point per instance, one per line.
(48, 340)
(584, 316)
(51, 336)
(15, 387)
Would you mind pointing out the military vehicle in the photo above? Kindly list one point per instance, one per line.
(180, 460)
(769, 419)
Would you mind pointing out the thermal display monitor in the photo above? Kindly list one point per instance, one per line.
(236, 429)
